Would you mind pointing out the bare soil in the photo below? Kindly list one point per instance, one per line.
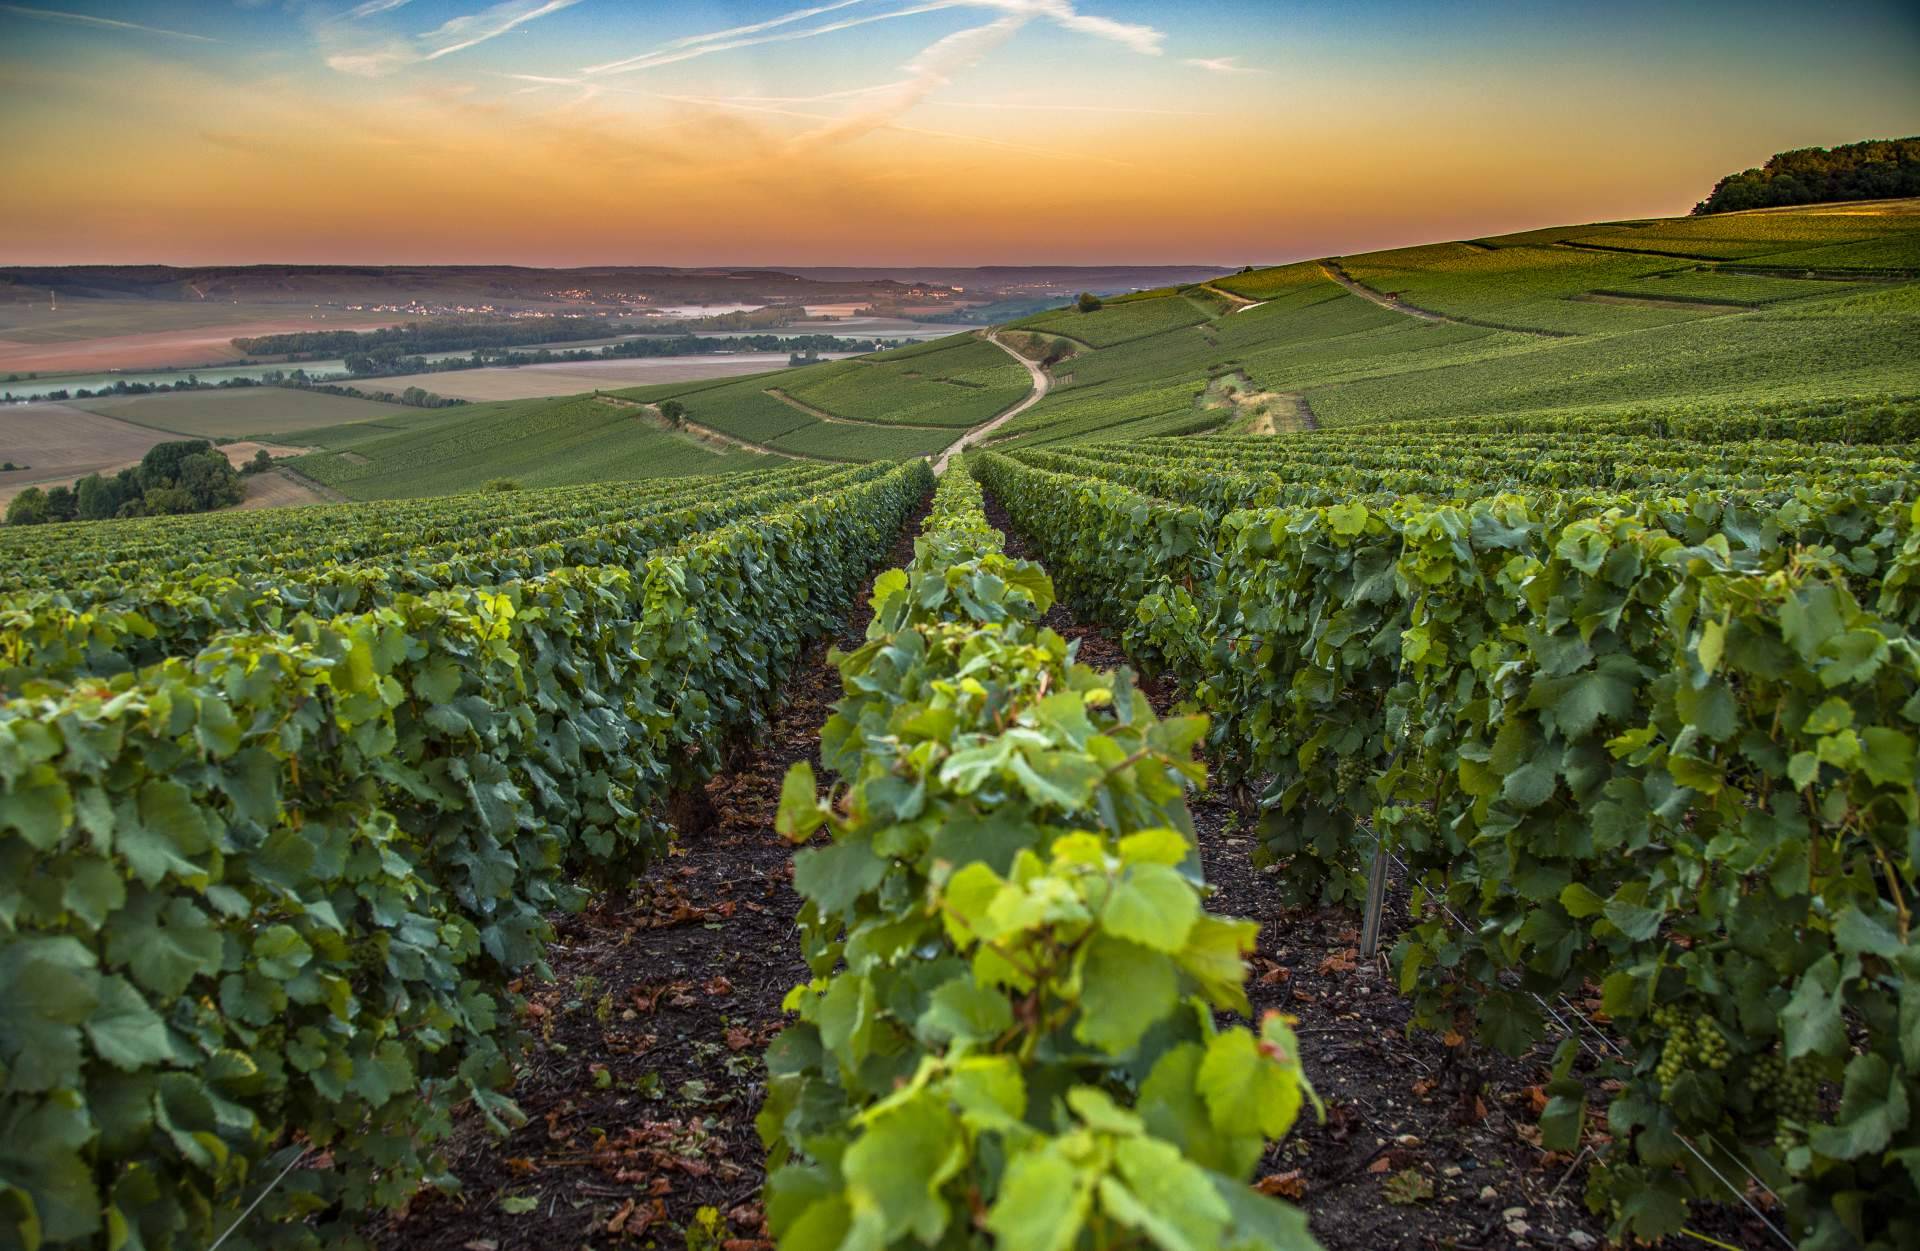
(274, 489)
(158, 349)
(60, 443)
(241, 452)
(672, 993)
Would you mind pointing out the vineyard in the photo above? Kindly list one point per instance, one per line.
(287, 823)
(1486, 809)
(1634, 715)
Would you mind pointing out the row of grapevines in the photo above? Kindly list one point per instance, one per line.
(1857, 419)
(1225, 475)
(270, 896)
(1679, 768)
(1010, 1034)
(104, 630)
(269, 539)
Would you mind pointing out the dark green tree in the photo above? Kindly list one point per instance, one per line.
(1875, 169)
(29, 508)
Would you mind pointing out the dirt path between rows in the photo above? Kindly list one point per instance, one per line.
(1333, 270)
(641, 1090)
(1240, 302)
(837, 420)
(706, 433)
(1408, 1115)
(1041, 385)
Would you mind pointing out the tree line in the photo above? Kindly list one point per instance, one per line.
(1875, 169)
(428, 336)
(183, 476)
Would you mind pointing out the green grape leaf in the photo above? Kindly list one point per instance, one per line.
(124, 1030)
(1152, 905)
(1042, 1204)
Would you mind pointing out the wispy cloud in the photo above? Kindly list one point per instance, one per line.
(1143, 39)
(1019, 106)
(354, 54)
(1220, 65)
(461, 33)
(109, 23)
(931, 70)
(725, 41)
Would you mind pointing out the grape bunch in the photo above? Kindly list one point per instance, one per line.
(1349, 772)
(1693, 1042)
(1792, 1089)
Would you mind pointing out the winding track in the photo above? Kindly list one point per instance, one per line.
(1333, 270)
(1041, 385)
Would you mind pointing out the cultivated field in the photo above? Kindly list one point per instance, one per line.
(532, 442)
(525, 382)
(276, 490)
(87, 335)
(1523, 323)
(240, 411)
(59, 443)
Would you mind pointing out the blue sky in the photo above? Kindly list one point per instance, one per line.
(924, 130)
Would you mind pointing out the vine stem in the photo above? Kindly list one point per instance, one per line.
(1893, 884)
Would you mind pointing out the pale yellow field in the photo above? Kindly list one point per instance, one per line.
(60, 443)
(527, 382)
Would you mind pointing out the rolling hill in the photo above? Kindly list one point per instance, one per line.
(1765, 306)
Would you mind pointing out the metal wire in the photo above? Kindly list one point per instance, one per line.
(1737, 1192)
(241, 1219)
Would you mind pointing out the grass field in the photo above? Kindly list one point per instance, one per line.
(1586, 328)
(242, 411)
(533, 442)
(960, 383)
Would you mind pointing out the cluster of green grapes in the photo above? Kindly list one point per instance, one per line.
(1693, 1042)
(1792, 1089)
(1349, 772)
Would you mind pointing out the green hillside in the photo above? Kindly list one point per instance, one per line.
(1767, 306)
(1764, 306)
(536, 443)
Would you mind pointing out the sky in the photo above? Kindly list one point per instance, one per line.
(898, 132)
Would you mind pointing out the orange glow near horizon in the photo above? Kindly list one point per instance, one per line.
(129, 152)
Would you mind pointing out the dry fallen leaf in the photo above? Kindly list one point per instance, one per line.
(1287, 1185)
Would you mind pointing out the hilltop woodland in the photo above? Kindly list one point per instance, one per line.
(1875, 169)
